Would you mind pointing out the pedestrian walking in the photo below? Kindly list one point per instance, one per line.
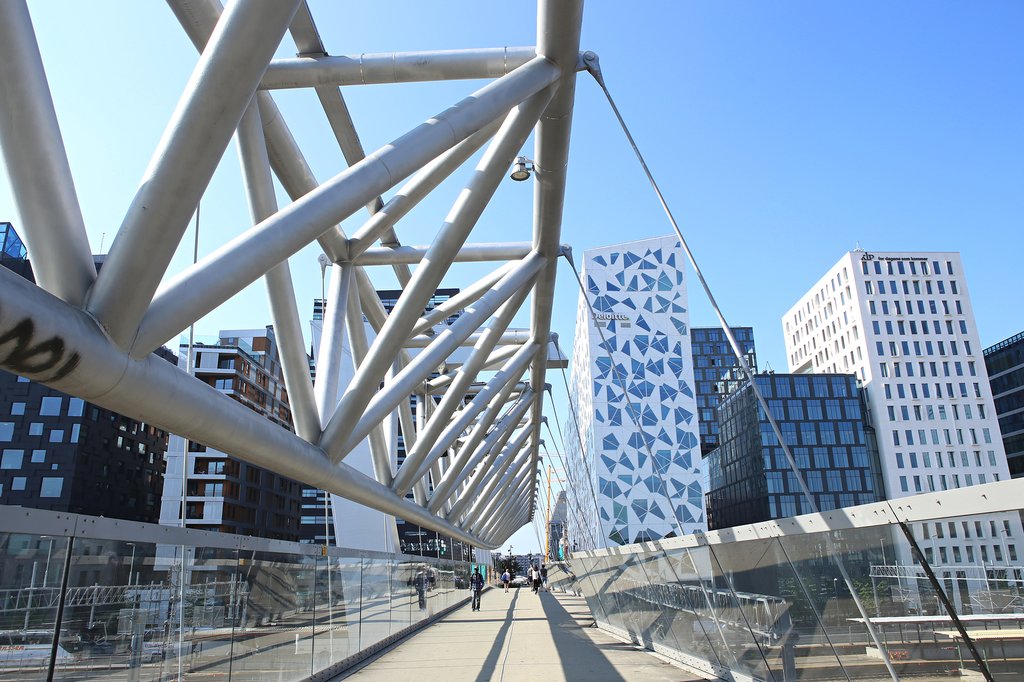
(506, 579)
(476, 585)
(536, 580)
(544, 576)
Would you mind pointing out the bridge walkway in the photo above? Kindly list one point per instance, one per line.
(517, 636)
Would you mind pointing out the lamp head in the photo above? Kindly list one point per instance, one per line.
(521, 169)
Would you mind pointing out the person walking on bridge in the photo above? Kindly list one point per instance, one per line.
(505, 579)
(476, 584)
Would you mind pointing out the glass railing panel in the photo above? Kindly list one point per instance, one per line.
(411, 582)
(31, 572)
(336, 609)
(697, 630)
(586, 568)
(665, 612)
(273, 637)
(375, 611)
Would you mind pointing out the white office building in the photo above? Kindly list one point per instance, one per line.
(903, 323)
(638, 476)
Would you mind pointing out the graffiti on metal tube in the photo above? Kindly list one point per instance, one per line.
(28, 359)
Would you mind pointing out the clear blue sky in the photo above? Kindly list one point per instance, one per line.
(783, 134)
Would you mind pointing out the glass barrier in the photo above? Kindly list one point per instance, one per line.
(838, 595)
(129, 604)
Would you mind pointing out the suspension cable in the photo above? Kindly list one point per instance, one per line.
(594, 67)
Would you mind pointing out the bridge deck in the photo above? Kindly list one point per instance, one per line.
(517, 636)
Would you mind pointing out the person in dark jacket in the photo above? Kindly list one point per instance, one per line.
(476, 584)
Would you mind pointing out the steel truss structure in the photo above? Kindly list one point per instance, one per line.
(91, 334)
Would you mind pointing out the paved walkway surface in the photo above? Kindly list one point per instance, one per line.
(513, 637)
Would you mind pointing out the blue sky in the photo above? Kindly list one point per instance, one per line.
(782, 134)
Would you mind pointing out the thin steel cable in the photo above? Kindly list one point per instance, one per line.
(583, 448)
(579, 508)
(595, 70)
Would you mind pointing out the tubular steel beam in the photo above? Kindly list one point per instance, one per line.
(194, 141)
(259, 184)
(394, 67)
(449, 239)
(228, 270)
(38, 164)
(96, 342)
(84, 362)
(469, 253)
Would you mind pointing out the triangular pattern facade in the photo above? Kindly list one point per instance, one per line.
(637, 441)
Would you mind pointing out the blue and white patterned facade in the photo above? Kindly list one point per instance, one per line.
(646, 482)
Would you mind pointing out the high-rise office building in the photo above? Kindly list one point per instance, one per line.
(717, 373)
(904, 325)
(821, 419)
(1005, 364)
(225, 493)
(62, 453)
(634, 460)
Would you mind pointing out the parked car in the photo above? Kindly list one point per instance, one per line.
(520, 581)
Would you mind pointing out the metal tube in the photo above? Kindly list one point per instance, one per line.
(453, 399)
(497, 463)
(330, 358)
(216, 278)
(420, 489)
(492, 479)
(466, 456)
(192, 144)
(473, 453)
(493, 361)
(340, 440)
(517, 481)
(558, 34)
(515, 336)
(514, 514)
(394, 67)
(37, 164)
(417, 461)
(469, 253)
(461, 300)
(411, 193)
(450, 238)
(519, 387)
(83, 362)
(259, 185)
(292, 170)
(510, 481)
(379, 453)
(510, 502)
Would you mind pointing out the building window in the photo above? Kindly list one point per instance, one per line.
(6, 432)
(57, 436)
(52, 486)
(38, 456)
(17, 408)
(50, 407)
(18, 483)
(34, 429)
(12, 459)
(75, 407)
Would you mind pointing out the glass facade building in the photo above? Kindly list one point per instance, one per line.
(822, 421)
(1005, 363)
(716, 374)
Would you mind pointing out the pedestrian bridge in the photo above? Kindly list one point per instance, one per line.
(831, 596)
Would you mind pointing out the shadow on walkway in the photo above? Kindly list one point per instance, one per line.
(580, 656)
(490, 663)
